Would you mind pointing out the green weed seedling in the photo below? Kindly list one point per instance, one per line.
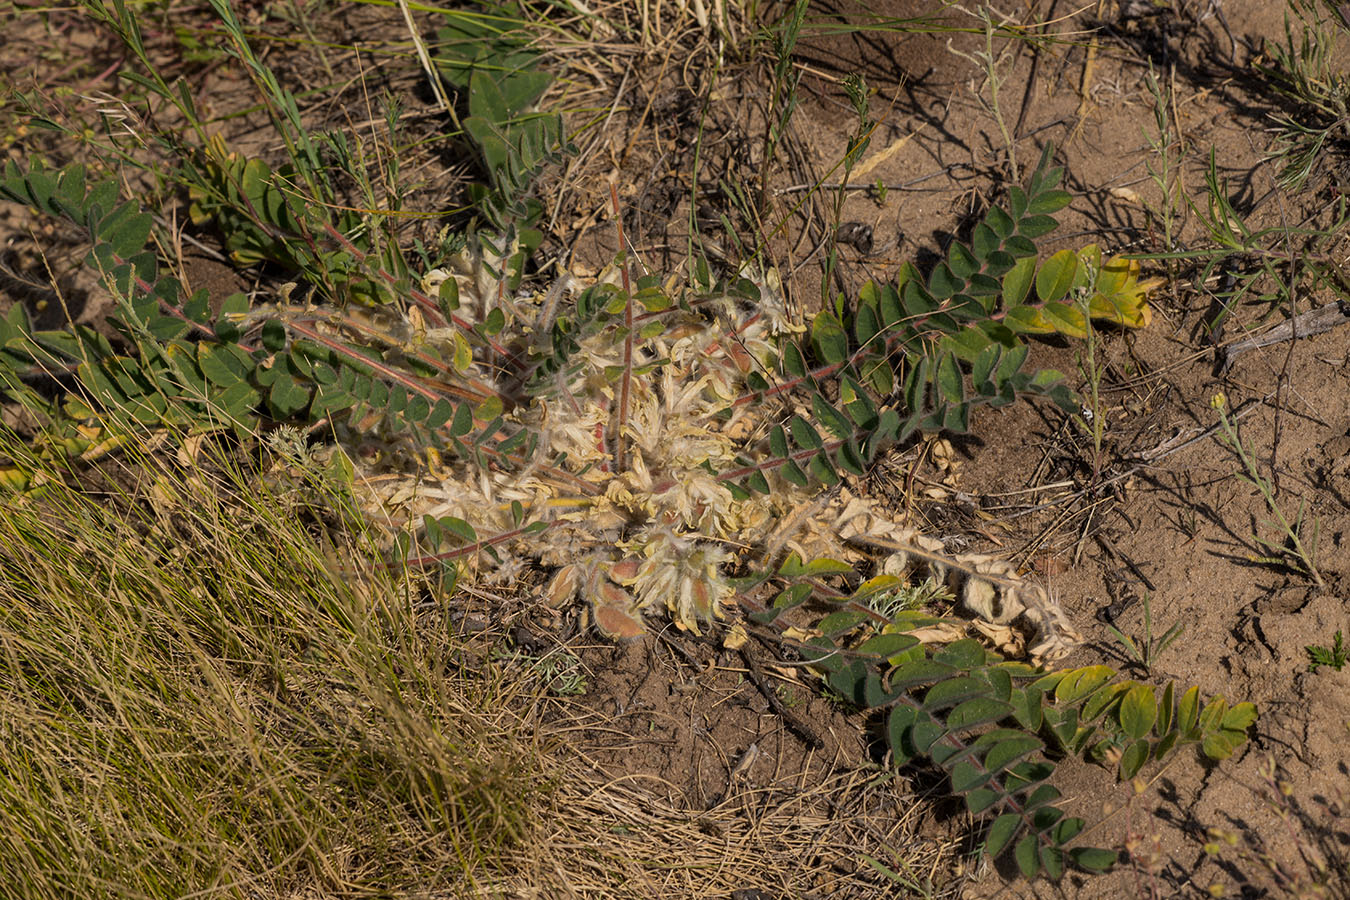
(1310, 79)
(1333, 656)
(1145, 651)
(1293, 551)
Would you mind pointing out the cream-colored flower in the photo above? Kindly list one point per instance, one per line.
(683, 574)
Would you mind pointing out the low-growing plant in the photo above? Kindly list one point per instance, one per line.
(1297, 547)
(559, 672)
(1312, 135)
(1145, 651)
(1333, 656)
(655, 451)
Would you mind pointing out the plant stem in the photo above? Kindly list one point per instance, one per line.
(1253, 474)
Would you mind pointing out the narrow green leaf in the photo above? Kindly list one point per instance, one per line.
(977, 711)
(1056, 275)
(287, 397)
(942, 283)
(999, 222)
(925, 733)
(1028, 859)
(1043, 795)
(1049, 202)
(1138, 711)
(1219, 745)
(1188, 710)
(1010, 750)
(949, 381)
(866, 325)
(966, 776)
(804, 435)
(1027, 704)
(793, 474)
(823, 471)
(901, 719)
(887, 645)
(1092, 859)
(463, 422)
(1211, 717)
(1065, 319)
(966, 653)
(918, 672)
(1017, 281)
(982, 799)
(1052, 859)
(1080, 683)
(1003, 829)
(1101, 701)
(1133, 759)
(961, 261)
(460, 528)
(1240, 717)
(833, 420)
(849, 459)
(953, 691)
(441, 413)
(829, 338)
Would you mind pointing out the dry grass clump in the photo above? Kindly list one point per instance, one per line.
(197, 700)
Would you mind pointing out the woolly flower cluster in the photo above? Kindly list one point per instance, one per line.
(639, 519)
